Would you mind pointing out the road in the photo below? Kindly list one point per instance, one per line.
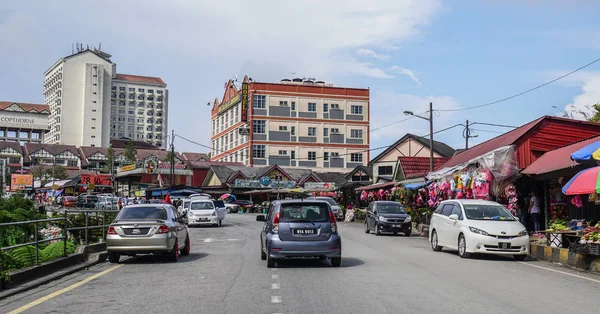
(386, 274)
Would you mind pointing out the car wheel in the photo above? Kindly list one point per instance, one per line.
(336, 261)
(114, 257)
(519, 257)
(270, 262)
(377, 231)
(188, 246)
(434, 242)
(367, 228)
(408, 233)
(395, 233)
(462, 247)
(174, 254)
(263, 255)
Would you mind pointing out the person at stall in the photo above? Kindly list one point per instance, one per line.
(535, 211)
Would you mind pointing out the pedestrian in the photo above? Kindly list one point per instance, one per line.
(167, 199)
(535, 211)
(120, 204)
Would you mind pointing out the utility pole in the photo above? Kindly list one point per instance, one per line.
(431, 136)
(467, 131)
(172, 161)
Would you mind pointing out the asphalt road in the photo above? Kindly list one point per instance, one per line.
(386, 274)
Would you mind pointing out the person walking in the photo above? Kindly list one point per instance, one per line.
(535, 211)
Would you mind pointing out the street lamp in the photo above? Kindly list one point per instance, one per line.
(430, 119)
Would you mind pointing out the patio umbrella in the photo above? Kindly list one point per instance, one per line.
(590, 152)
(227, 195)
(585, 182)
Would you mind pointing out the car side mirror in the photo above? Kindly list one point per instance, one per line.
(261, 218)
(453, 217)
(374, 212)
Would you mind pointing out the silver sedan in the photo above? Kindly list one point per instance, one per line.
(147, 229)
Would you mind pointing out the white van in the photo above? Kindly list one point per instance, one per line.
(205, 212)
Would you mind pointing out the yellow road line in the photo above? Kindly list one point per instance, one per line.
(61, 291)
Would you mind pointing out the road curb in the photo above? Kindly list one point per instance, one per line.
(42, 281)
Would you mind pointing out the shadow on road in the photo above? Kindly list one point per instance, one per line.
(317, 263)
(157, 259)
(487, 257)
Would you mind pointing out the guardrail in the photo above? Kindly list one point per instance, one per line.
(36, 241)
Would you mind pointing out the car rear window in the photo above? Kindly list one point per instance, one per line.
(304, 212)
(201, 205)
(328, 200)
(151, 213)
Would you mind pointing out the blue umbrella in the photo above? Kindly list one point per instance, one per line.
(590, 152)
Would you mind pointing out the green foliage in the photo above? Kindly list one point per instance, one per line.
(57, 172)
(14, 209)
(360, 214)
(55, 250)
(110, 157)
(25, 255)
(129, 152)
(7, 262)
(596, 116)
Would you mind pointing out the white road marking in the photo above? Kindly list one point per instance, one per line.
(209, 240)
(274, 276)
(275, 286)
(275, 299)
(560, 272)
(233, 239)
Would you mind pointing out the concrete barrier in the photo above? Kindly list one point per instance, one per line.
(563, 256)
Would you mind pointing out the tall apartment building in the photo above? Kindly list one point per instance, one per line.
(79, 91)
(294, 123)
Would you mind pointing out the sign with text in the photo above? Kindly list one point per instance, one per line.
(167, 165)
(127, 168)
(256, 184)
(228, 104)
(319, 185)
(245, 101)
(244, 131)
(20, 181)
(96, 179)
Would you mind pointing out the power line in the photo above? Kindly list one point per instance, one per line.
(400, 121)
(488, 131)
(525, 92)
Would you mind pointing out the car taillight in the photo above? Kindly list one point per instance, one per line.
(276, 223)
(162, 229)
(111, 230)
(333, 222)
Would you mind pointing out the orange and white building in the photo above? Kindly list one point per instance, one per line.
(293, 123)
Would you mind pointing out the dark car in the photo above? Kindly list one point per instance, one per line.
(300, 229)
(387, 216)
(87, 201)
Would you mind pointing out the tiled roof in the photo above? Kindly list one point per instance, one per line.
(142, 154)
(87, 151)
(37, 108)
(558, 159)
(195, 156)
(30, 148)
(439, 147)
(194, 164)
(14, 145)
(140, 79)
(122, 143)
(415, 167)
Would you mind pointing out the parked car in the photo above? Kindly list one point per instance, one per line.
(337, 210)
(106, 203)
(245, 204)
(69, 201)
(477, 226)
(87, 201)
(147, 229)
(387, 216)
(205, 212)
(232, 208)
(300, 229)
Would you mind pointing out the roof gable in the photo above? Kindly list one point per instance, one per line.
(9, 151)
(311, 177)
(23, 107)
(360, 168)
(440, 148)
(268, 170)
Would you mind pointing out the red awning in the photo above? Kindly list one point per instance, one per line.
(558, 159)
(376, 186)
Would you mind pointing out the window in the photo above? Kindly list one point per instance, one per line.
(259, 101)
(150, 91)
(292, 154)
(335, 106)
(356, 157)
(456, 211)
(312, 155)
(312, 131)
(258, 151)
(122, 88)
(159, 92)
(93, 128)
(93, 136)
(325, 156)
(293, 130)
(12, 133)
(335, 130)
(312, 107)
(355, 109)
(283, 152)
(131, 89)
(283, 128)
(325, 107)
(93, 110)
(140, 97)
(293, 106)
(121, 95)
(259, 126)
(447, 210)
(385, 170)
(113, 88)
(23, 134)
(93, 119)
(356, 133)
(14, 160)
(325, 132)
(283, 103)
(72, 163)
(141, 90)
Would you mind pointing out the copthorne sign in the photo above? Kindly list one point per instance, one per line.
(17, 120)
(25, 120)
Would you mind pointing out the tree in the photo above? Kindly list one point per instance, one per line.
(596, 115)
(57, 172)
(110, 157)
(129, 153)
(170, 156)
(38, 172)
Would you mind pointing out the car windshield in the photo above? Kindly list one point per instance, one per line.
(152, 213)
(201, 205)
(302, 212)
(328, 200)
(390, 208)
(487, 212)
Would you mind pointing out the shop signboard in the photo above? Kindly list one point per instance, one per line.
(127, 168)
(20, 181)
(245, 100)
(167, 165)
(257, 184)
(228, 104)
(150, 166)
(244, 131)
(319, 185)
(96, 179)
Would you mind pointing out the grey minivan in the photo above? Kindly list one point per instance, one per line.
(300, 229)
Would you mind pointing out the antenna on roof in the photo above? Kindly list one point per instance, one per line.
(72, 48)
(100, 46)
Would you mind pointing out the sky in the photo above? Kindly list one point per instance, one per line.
(456, 54)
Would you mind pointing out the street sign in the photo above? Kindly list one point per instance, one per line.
(244, 131)
(265, 181)
(91, 186)
(54, 187)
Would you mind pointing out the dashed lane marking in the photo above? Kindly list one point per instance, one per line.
(220, 240)
(275, 286)
(274, 276)
(61, 291)
(275, 299)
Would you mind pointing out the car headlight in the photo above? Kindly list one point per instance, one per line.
(478, 231)
(408, 219)
(522, 233)
(191, 214)
(382, 219)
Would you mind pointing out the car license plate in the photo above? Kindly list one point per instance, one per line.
(135, 231)
(504, 246)
(397, 226)
(304, 231)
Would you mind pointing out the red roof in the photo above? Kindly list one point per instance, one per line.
(415, 167)
(376, 186)
(140, 79)
(558, 159)
(26, 107)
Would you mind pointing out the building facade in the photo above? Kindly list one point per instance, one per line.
(82, 92)
(23, 123)
(293, 123)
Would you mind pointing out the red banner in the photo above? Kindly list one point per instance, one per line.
(96, 179)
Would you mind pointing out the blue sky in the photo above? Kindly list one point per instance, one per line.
(456, 54)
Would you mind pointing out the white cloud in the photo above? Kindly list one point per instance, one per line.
(407, 72)
(590, 95)
(362, 52)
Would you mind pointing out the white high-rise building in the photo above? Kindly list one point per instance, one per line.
(90, 103)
